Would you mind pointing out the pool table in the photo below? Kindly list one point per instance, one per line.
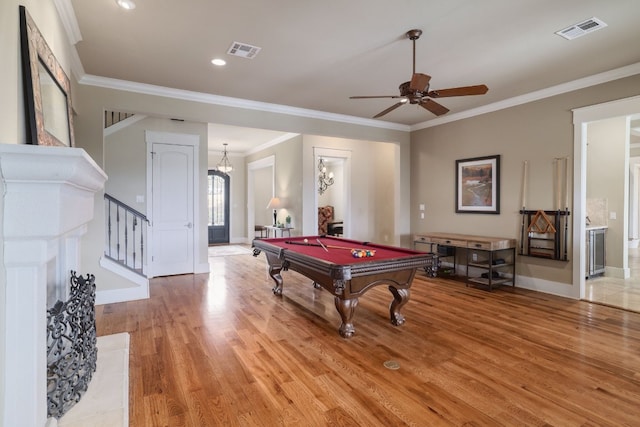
(328, 261)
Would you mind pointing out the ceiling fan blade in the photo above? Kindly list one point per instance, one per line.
(419, 82)
(434, 107)
(459, 91)
(380, 96)
(388, 110)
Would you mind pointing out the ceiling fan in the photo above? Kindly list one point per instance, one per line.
(417, 90)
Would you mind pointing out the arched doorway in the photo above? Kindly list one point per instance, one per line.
(218, 196)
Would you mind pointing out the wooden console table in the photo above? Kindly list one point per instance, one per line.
(276, 229)
(490, 261)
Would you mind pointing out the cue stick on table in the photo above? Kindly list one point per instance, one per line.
(289, 242)
(323, 246)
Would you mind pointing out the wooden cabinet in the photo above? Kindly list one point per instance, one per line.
(488, 261)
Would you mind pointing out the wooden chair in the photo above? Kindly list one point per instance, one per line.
(262, 230)
(325, 216)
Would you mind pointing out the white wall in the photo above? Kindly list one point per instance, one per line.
(12, 119)
(262, 193)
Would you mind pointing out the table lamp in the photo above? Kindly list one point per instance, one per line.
(274, 204)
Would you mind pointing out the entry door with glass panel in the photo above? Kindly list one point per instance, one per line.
(218, 184)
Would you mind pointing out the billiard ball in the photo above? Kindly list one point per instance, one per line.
(306, 240)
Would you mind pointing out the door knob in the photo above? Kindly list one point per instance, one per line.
(189, 225)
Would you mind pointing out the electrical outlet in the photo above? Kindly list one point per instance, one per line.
(421, 215)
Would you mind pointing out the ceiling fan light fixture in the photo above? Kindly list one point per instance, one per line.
(126, 4)
(416, 91)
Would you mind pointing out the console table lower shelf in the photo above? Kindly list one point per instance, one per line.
(488, 261)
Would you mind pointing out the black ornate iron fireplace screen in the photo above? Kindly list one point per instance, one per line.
(71, 346)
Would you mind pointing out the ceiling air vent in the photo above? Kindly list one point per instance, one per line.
(243, 50)
(582, 28)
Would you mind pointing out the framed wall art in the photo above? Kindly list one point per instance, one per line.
(478, 185)
(47, 90)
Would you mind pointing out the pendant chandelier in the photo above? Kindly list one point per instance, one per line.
(324, 180)
(224, 165)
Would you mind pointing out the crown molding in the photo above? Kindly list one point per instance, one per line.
(76, 64)
(69, 21)
(144, 88)
(147, 89)
(272, 143)
(596, 79)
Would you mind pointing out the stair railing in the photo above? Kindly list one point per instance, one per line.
(113, 117)
(126, 235)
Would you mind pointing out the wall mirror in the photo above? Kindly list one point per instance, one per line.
(47, 96)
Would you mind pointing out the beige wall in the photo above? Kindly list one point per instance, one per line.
(537, 132)
(45, 16)
(288, 183)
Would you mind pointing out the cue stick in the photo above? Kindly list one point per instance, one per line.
(524, 203)
(566, 209)
(323, 246)
(558, 190)
(289, 242)
(340, 247)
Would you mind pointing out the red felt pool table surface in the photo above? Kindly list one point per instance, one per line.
(341, 255)
(345, 276)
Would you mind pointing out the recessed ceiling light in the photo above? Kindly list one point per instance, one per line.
(219, 62)
(126, 4)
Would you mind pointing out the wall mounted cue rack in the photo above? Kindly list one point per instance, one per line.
(544, 234)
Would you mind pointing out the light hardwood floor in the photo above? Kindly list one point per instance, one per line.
(221, 349)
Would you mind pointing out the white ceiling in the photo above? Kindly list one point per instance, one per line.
(315, 54)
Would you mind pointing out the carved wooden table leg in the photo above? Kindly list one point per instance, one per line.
(400, 298)
(274, 272)
(346, 308)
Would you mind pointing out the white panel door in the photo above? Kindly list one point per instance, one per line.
(173, 220)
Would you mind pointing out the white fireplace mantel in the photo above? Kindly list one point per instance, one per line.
(47, 201)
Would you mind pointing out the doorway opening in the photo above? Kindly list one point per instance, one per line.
(582, 118)
(333, 202)
(218, 207)
(171, 188)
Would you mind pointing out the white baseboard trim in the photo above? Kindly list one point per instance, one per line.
(111, 296)
(617, 272)
(546, 286)
(240, 240)
(202, 268)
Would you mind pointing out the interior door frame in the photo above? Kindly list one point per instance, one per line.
(170, 138)
(581, 118)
